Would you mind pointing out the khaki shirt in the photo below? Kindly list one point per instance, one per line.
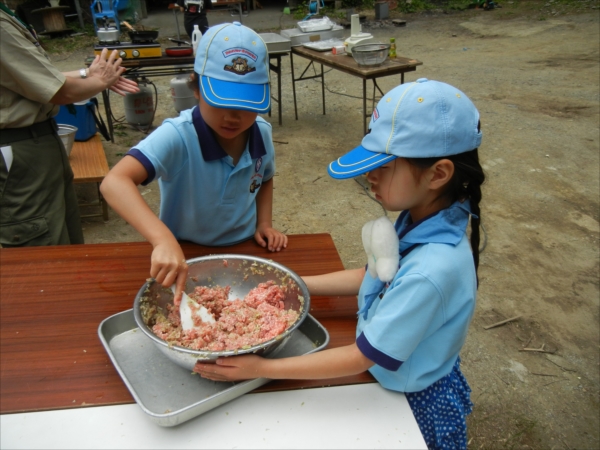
(28, 80)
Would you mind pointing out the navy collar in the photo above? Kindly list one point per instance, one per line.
(210, 147)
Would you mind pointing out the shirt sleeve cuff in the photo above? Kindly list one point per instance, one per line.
(143, 159)
(379, 358)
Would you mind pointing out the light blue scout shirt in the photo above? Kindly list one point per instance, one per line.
(414, 333)
(204, 197)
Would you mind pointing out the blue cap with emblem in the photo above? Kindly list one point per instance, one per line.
(233, 64)
(424, 119)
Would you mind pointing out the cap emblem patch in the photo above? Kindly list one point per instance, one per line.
(375, 115)
(240, 51)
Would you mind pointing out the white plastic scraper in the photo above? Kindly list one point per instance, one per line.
(188, 309)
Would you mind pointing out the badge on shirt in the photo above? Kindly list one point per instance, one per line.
(254, 181)
(254, 186)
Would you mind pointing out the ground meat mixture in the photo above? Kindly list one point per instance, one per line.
(239, 324)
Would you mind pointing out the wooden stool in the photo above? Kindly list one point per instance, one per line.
(89, 165)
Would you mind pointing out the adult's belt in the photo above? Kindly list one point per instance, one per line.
(10, 135)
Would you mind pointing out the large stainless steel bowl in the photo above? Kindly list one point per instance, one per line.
(242, 273)
(370, 55)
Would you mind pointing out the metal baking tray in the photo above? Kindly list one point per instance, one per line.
(170, 394)
(276, 43)
(297, 37)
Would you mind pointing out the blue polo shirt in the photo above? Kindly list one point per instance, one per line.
(417, 324)
(205, 198)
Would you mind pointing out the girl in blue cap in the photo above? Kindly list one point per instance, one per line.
(415, 302)
(214, 163)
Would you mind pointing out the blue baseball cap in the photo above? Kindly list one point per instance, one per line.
(233, 64)
(423, 119)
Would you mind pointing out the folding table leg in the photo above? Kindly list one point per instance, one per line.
(294, 84)
(108, 111)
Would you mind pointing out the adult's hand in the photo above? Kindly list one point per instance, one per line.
(101, 67)
(104, 73)
(124, 85)
(107, 69)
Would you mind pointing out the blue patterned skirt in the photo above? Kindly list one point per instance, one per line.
(441, 410)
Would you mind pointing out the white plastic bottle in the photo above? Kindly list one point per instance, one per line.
(196, 35)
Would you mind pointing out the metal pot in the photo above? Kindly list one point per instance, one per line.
(110, 34)
(138, 37)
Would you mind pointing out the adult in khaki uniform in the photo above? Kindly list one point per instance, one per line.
(38, 205)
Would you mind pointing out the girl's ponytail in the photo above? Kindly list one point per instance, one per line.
(466, 185)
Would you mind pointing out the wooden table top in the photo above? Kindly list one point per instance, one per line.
(53, 299)
(88, 160)
(347, 64)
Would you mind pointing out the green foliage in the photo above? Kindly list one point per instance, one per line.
(300, 12)
(459, 5)
(414, 6)
(352, 3)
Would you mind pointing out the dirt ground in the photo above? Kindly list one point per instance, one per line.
(533, 72)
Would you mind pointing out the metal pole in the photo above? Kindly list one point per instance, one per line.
(176, 22)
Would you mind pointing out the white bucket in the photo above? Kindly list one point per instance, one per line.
(67, 135)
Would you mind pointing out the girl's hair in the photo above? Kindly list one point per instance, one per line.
(465, 184)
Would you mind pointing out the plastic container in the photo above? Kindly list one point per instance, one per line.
(196, 35)
(83, 119)
(312, 25)
(67, 136)
(392, 52)
(338, 50)
(183, 97)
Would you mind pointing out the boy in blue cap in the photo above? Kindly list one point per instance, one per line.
(214, 163)
(415, 303)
